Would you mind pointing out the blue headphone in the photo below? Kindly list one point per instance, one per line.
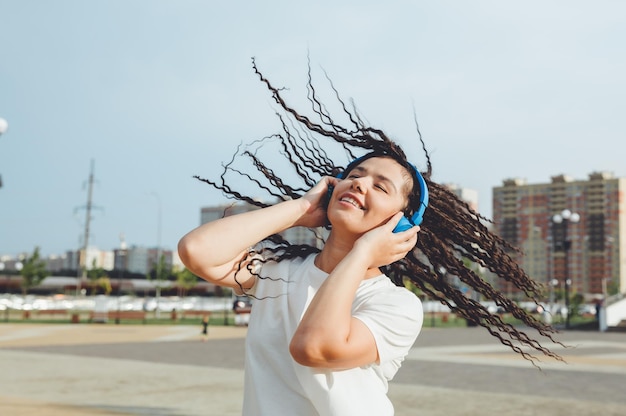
(416, 219)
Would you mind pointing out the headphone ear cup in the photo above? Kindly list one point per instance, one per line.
(403, 225)
(331, 189)
(329, 193)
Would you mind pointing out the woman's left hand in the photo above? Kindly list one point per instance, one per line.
(384, 246)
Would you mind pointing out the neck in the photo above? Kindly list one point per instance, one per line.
(334, 251)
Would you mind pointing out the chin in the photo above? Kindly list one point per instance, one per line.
(347, 223)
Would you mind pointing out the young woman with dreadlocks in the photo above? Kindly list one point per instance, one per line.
(330, 327)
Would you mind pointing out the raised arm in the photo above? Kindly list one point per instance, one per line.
(215, 251)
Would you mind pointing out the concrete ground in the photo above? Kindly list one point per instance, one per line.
(106, 370)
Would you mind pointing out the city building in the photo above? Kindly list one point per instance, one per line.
(143, 260)
(95, 258)
(582, 248)
(465, 194)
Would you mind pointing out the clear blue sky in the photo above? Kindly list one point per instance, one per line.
(157, 91)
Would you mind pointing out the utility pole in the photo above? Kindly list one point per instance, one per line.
(82, 271)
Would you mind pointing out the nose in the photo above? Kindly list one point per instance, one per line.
(358, 185)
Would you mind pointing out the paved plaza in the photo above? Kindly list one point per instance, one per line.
(161, 370)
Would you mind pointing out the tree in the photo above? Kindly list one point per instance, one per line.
(185, 280)
(99, 278)
(613, 287)
(575, 303)
(413, 288)
(160, 272)
(105, 284)
(33, 271)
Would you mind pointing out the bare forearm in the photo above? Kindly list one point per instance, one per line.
(218, 242)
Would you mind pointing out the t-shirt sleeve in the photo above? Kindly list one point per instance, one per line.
(395, 319)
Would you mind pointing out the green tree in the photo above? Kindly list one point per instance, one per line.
(574, 304)
(105, 284)
(160, 272)
(99, 278)
(185, 280)
(412, 287)
(613, 287)
(33, 271)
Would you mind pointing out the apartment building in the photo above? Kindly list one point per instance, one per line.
(584, 248)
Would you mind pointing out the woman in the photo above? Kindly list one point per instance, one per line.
(330, 327)
(326, 338)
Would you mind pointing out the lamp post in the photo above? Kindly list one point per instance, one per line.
(608, 248)
(121, 265)
(562, 243)
(3, 128)
(158, 255)
(6, 309)
(553, 284)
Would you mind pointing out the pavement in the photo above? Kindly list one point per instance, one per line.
(163, 370)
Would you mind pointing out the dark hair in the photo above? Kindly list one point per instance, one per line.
(451, 235)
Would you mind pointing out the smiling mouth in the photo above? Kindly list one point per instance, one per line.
(352, 202)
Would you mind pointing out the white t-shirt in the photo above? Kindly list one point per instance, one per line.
(275, 385)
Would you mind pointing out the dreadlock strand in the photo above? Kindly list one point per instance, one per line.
(451, 230)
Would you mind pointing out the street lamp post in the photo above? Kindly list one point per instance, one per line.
(3, 128)
(6, 310)
(553, 284)
(564, 244)
(158, 255)
(609, 258)
(121, 265)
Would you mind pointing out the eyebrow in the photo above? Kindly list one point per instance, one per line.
(380, 177)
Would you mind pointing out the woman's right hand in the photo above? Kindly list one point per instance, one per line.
(315, 200)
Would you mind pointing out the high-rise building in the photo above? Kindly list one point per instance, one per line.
(143, 260)
(586, 250)
(95, 258)
(465, 194)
